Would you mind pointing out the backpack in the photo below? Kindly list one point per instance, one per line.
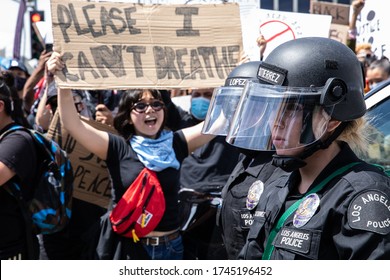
(49, 210)
(141, 207)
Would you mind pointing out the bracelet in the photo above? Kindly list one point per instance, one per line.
(50, 75)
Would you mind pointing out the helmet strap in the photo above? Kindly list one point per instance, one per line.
(291, 163)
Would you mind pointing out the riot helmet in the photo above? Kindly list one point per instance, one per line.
(304, 83)
(225, 98)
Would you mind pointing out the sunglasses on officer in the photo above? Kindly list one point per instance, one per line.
(141, 107)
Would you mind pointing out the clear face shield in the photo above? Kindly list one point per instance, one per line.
(276, 118)
(223, 104)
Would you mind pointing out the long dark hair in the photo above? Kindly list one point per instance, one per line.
(9, 94)
(128, 99)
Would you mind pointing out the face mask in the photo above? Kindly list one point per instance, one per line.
(199, 107)
(19, 83)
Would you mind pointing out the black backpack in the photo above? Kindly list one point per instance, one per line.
(49, 211)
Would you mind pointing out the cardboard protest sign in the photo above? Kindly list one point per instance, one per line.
(340, 18)
(339, 12)
(373, 26)
(279, 27)
(339, 32)
(91, 178)
(125, 45)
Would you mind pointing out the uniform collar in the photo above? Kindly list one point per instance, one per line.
(343, 158)
(257, 163)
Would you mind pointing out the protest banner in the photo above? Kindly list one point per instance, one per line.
(339, 32)
(116, 45)
(279, 27)
(339, 12)
(373, 26)
(340, 18)
(91, 178)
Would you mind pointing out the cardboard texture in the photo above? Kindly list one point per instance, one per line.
(91, 183)
(339, 12)
(339, 32)
(116, 45)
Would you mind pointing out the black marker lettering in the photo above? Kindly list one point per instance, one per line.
(91, 22)
(206, 52)
(180, 63)
(76, 22)
(131, 22)
(104, 57)
(107, 18)
(65, 57)
(219, 63)
(196, 66)
(85, 66)
(164, 59)
(187, 24)
(64, 21)
(137, 50)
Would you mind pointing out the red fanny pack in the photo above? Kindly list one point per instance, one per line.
(141, 207)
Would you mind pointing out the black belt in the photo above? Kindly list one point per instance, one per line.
(157, 240)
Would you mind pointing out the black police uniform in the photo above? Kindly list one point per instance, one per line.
(352, 220)
(236, 218)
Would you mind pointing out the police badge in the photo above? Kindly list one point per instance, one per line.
(306, 210)
(254, 193)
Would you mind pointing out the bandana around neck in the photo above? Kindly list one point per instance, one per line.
(156, 154)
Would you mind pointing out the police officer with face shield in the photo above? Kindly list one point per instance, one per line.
(246, 183)
(309, 110)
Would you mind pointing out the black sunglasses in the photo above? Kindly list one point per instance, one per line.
(141, 107)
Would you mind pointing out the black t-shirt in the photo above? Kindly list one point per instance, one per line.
(17, 152)
(124, 167)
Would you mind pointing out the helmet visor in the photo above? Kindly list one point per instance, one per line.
(270, 118)
(222, 107)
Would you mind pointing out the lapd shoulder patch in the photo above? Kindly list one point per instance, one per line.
(370, 211)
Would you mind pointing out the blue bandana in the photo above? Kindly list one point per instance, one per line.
(156, 154)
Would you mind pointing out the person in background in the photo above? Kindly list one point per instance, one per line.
(377, 72)
(18, 161)
(314, 123)
(20, 73)
(48, 104)
(357, 7)
(365, 54)
(35, 83)
(202, 175)
(103, 104)
(140, 124)
(17, 112)
(363, 51)
(262, 44)
(70, 243)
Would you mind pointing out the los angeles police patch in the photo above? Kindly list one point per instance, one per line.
(370, 211)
